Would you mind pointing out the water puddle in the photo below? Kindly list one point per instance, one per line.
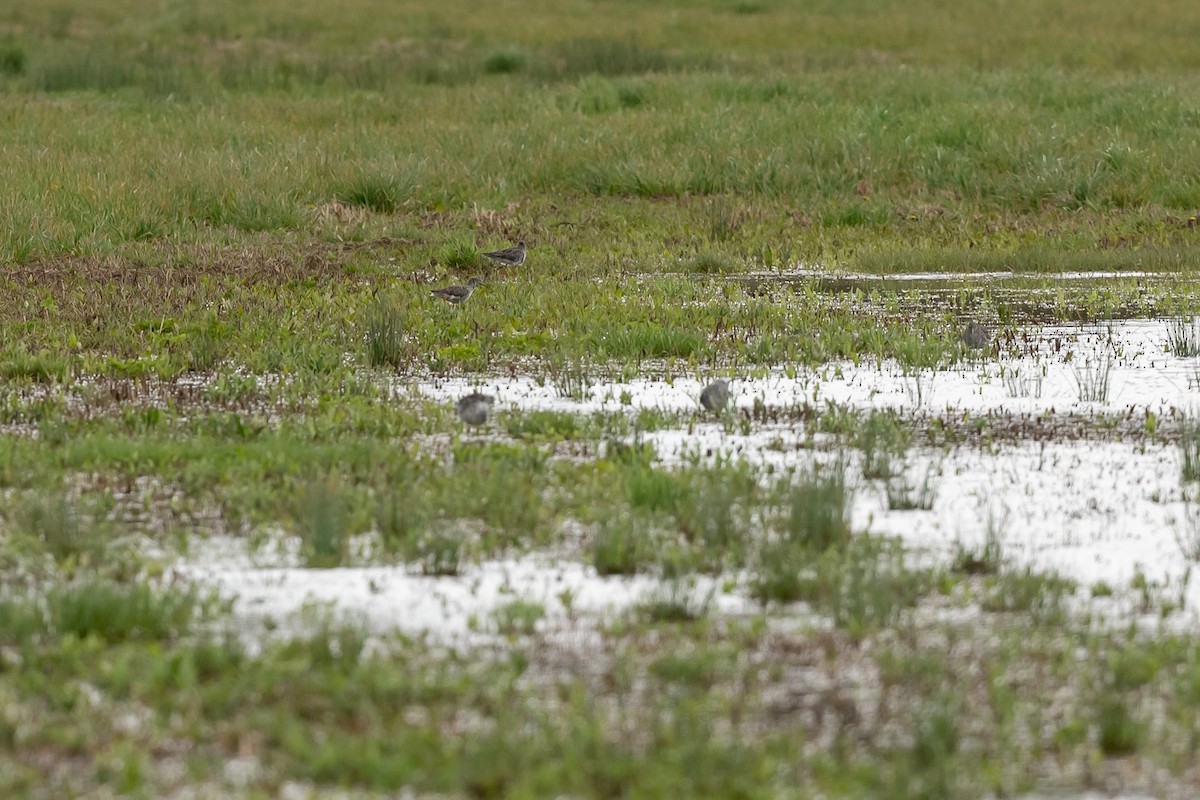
(829, 281)
(1110, 367)
(1102, 512)
(1109, 513)
(451, 608)
(1028, 297)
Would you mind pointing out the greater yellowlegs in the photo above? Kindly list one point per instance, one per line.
(715, 395)
(473, 409)
(510, 257)
(456, 294)
(976, 335)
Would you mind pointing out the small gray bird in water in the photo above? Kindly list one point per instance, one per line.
(474, 408)
(510, 257)
(976, 335)
(715, 395)
(456, 294)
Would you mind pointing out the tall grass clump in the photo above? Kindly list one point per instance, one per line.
(553, 425)
(1189, 447)
(504, 62)
(517, 618)
(12, 59)
(676, 601)
(905, 495)
(642, 340)
(861, 583)
(1183, 337)
(403, 520)
(571, 376)
(715, 510)
(53, 520)
(865, 587)
(985, 559)
(321, 511)
(398, 516)
(622, 545)
(40, 367)
(206, 345)
(386, 342)
(883, 442)
(725, 219)
(247, 210)
(380, 193)
(21, 620)
(436, 552)
(597, 95)
(1040, 595)
(63, 69)
(502, 485)
(1092, 380)
(654, 490)
(710, 264)
(1019, 384)
(117, 613)
(459, 254)
(813, 518)
(1187, 533)
(1119, 731)
(817, 509)
(600, 56)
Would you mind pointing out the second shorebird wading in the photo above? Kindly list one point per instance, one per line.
(976, 335)
(715, 396)
(511, 257)
(456, 294)
(473, 409)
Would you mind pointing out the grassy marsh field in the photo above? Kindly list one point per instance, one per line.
(225, 388)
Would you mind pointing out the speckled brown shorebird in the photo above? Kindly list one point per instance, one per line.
(510, 257)
(976, 335)
(456, 294)
(474, 408)
(715, 396)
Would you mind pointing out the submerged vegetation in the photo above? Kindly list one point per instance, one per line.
(219, 227)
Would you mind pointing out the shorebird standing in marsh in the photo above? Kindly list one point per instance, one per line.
(976, 335)
(509, 257)
(715, 395)
(456, 294)
(474, 408)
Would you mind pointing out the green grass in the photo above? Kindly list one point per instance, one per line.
(54, 522)
(517, 618)
(884, 443)
(115, 613)
(385, 337)
(904, 494)
(1042, 596)
(214, 296)
(322, 509)
(621, 546)
(1092, 380)
(374, 719)
(1183, 337)
(282, 124)
(675, 603)
(1189, 449)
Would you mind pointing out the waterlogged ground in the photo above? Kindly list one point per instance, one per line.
(248, 548)
(897, 561)
(1088, 489)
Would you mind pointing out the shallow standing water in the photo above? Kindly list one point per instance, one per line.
(1100, 508)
